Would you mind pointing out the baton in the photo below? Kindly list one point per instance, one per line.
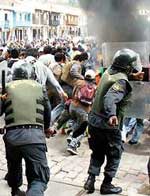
(3, 90)
(3, 82)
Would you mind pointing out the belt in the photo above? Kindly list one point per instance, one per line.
(24, 127)
(101, 115)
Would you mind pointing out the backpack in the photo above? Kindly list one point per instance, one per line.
(86, 93)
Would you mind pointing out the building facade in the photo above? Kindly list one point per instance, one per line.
(6, 23)
(40, 19)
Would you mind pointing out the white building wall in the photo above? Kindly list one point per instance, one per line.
(52, 6)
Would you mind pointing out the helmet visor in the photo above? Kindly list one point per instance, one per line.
(137, 65)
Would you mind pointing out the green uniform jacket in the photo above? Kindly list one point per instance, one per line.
(97, 116)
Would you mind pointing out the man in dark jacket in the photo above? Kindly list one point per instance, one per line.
(27, 116)
(14, 57)
(106, 116)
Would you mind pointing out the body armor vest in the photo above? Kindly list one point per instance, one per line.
(106, 82)
(24, 105)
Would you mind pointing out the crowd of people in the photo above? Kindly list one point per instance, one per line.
(62, 85)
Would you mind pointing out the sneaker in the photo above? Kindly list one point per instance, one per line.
(110, 189)
(72, 146)
(69, 139)
(72, 150)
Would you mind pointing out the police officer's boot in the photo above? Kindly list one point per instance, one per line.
(17, 192)
(89, 184)
(109, 189)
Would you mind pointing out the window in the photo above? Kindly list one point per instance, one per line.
(28, 17)
(20, 17)
(55, 18)
(6, 17)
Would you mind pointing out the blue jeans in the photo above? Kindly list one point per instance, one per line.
(55, 113)
(139, 128)
(137, 125)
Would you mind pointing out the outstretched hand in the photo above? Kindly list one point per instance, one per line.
(138, 76)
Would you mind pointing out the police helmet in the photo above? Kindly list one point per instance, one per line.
(127, 60)
(21, 70)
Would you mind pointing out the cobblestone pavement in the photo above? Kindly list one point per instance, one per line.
(72, 170)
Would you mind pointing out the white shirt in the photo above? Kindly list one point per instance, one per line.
(47, 59)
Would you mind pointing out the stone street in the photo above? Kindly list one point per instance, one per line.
(68, 173)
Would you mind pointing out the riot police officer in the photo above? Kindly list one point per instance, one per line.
(105, 119)
(27, 116)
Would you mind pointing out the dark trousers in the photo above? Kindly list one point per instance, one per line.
(63, 118)
(80, 130)
(104, 143)
(148, 167)
(37, 170)
(80, 115)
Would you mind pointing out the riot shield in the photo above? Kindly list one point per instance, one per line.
(139, 104)
(109, 49)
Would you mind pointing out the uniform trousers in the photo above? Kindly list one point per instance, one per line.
(104, 144)
(37, 170)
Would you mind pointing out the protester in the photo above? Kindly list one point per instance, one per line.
(72, 74)
(82, 99)
(60, 60)
(56, 68)
(42, 73)
(14, 53)
(47, 58)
